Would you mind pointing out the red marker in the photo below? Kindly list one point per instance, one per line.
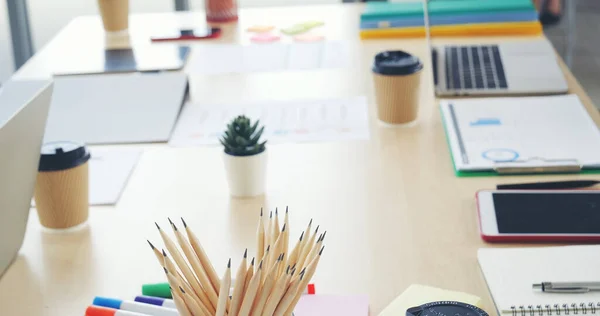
(105, 311)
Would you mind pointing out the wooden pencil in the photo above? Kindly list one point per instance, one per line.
(260, 237)
(293, 258)
(276, 250)
(238, 288)
(269, 282)
(305, 238)
(196, 266)
(314, 251)
(289, 295)
(309, 272)
(250, 293)
(175, 283)
(206, 263)
(276, 293)
(191, 304)
(306, 249)
(200, 298)
(224, 291)
(269, 231)
(157, 253)
(286, 239)
(180, 304)
(181, 263)
(249, 275)
(275, 229)
(266, 266)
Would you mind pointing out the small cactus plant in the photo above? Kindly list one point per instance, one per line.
(242, 137)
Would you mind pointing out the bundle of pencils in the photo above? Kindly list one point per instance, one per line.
(271, 284)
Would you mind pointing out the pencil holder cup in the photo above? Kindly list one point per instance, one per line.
(221, 10)
(62, 186)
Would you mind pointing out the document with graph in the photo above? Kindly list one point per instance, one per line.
(550, 134)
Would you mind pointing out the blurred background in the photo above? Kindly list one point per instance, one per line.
(575, 37)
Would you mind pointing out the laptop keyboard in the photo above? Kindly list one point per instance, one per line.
(474, 68)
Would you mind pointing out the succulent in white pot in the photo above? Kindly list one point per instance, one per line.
(245, 157)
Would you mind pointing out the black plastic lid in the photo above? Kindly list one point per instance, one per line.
(446, 308)
(396, 63)
(62, 155)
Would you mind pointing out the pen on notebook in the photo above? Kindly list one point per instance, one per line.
(555, 185)
(567, 287)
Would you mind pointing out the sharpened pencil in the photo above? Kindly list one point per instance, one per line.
(192, 305)
(289, 296)
(224, 291)
(250, 294)
(238, 288)
(260, 237)
(180, 304)
(293, 258)
(309, 272)
(269, 231)
(267, 287)
(201, 298)
(277, 293)
(196, 266)
(275, 229)
(249, 275)
(206, 263)
(306, 249)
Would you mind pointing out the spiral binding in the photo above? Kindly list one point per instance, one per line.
(556, 309)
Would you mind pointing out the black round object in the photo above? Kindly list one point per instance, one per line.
(62, 155)
(446, 308)
(396, 63)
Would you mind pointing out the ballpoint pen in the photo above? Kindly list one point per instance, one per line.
(567, 287)
(556, 185)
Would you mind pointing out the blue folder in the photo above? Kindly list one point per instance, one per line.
(468, 18)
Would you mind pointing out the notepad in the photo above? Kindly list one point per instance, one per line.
(510, 274)
(521, 135)
(327, 305)
(416, 295)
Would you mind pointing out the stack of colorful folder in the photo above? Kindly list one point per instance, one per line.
(449, 18)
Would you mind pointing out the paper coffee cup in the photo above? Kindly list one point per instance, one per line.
(62, 186)
(397, 78)
(115, 14)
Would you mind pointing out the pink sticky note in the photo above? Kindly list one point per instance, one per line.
(327, 305)
(264, 38)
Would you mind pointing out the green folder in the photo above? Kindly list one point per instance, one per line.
(489, 173)
(375, 11)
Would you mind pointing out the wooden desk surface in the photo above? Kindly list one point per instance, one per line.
(394, 211)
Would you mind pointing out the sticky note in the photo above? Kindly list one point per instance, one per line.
(260, 28)
(417, 294)
(265, 38)
(295, 29)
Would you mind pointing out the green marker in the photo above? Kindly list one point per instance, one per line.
(157, 290)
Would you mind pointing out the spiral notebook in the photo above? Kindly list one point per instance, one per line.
(510, 273)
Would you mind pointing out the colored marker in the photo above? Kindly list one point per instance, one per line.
(137, 307)
(105, 311)
(165, 302)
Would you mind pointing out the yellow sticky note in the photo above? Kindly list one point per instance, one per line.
(417, 294)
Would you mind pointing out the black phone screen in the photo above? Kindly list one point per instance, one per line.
(543, 213)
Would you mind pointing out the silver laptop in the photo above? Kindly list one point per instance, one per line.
(24, 108)
(526, 67)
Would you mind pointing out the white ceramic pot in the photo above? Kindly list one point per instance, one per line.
(246, 175)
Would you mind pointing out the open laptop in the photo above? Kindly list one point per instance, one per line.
(24, 109)
(509, 68)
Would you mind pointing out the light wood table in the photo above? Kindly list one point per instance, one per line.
(394, 211)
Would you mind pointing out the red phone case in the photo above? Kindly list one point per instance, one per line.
(532, 238)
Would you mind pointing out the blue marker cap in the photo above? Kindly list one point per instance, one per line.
(107, 302)
(149, 300)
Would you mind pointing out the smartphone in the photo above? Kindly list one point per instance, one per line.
(183, 35)
(546, 215)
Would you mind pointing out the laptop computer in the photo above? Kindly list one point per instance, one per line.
(509, 68)
(24, 109)
(497, 69)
